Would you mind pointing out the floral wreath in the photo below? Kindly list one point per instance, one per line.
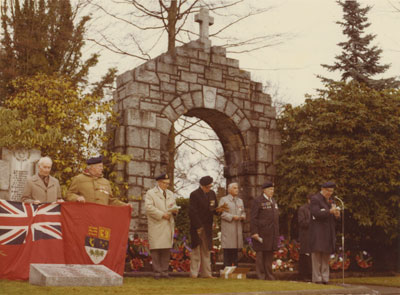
(364, 259)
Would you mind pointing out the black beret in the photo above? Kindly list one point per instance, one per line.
(206, 180)
(162, 176)
(328, 184)
(267, 185)
(94, 160)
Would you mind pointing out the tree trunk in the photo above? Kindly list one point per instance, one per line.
(172, 12)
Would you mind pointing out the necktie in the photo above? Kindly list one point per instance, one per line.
(165, 194)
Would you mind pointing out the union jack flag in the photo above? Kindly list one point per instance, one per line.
(22, 221)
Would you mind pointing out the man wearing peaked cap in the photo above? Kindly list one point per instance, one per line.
(264, 227)
(90, 186)
(160, 210)
(202, 207)
(322, 231)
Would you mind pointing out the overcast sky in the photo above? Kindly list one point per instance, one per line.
(312, 37)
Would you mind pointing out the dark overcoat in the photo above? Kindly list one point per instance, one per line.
(201, 211)
(264, 220)
(322, 226)
(304, 217)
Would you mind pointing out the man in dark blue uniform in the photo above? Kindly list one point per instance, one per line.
(202, 207)
(322, 231)
(264, 226)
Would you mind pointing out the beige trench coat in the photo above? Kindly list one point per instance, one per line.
(232, 230)
(36, 190)
(160, 230)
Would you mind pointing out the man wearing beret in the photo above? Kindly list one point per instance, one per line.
(322, 231)
(202, 207)
(264, 227)
(90, 186)
(160, 210)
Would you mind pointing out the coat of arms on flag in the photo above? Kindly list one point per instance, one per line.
(97, 242)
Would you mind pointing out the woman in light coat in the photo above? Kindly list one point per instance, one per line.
(231, 225)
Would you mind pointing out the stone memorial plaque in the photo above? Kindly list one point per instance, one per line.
(22, 164)
(73, 275)
(4, 175)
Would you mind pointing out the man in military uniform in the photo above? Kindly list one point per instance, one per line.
(90, 186)
(322, 231)
(264, 227)
(202, 207)
(160, 210)
(304, 217)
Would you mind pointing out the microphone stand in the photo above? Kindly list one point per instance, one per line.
(343, 260)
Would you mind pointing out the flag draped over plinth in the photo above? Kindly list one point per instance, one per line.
(71, 233)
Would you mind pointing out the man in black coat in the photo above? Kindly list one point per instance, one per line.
(304, 217)
(264, 227)
(202, 207)
(322, 232)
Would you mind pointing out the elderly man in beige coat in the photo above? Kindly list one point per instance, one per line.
(42, 188)
(160, 210)
(231, 225)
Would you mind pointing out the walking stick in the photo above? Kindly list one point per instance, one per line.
(343, 260)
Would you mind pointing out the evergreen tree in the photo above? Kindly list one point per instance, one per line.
(358, 60)
(40, 36)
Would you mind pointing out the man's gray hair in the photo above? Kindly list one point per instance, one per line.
(231, 185)
(45, 159)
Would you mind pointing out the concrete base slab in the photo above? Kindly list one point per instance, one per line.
(73, 275)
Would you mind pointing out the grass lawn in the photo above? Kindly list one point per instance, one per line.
(150, 286)
(378, 281)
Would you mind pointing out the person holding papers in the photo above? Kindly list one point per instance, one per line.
(160, 210)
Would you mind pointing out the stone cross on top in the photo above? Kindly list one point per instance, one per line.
(205, 21)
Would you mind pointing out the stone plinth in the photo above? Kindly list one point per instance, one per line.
(73, 275)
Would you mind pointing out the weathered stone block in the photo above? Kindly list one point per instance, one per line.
(150, 65)
(176, 102)
(136, 153)
(137, 137)
(195, 87)
(182, 86)
(220, 103)
(139, 118)
(205, 56)
(138, 88)
(124, 78)
(154, 139)
(230, 108)
(197, 99)
(167, 68)
(244, 125)
(131, 102)
(213, 74)
(189, 77)
(196, 68)
(73, 275)
(264, 153)
(151, 107)
(143, 75)
(138, 168)
(153, 155)
(170, 113)
(218, 50)
(164, 125)
(232, 62)
(218, 59)
(167, 87)
(187, 101)
(119, 140)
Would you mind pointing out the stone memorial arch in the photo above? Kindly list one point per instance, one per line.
(201, 81)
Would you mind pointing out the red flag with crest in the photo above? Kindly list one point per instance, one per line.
(96, 234)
